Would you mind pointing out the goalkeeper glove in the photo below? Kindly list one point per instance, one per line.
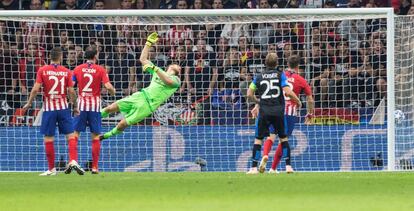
(151, 68)
(151, 39)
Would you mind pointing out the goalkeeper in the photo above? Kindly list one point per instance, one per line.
(143, 103)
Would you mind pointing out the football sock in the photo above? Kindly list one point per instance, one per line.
(277, 157)
(267, 147)
(50, 155)
(286, 152)
(96, 148)
(256, 154)
(73, 149)
(113, 132)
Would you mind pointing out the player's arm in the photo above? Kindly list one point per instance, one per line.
(151, 39)
(33, 93)
(288, 91)
(250, 92)
(110, 88)
(292, 95)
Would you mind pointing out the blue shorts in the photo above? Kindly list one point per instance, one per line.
(290, 122)
(63, 119)
(88, 118)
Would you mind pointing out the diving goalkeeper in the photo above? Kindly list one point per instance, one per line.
(143, 103)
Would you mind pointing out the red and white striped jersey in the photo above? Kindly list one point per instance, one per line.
(90, 77)
(176, 36)
(55, 80)
(298, 84)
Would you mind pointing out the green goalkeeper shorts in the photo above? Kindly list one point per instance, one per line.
(135, 108)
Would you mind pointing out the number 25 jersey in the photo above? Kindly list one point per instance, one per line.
(269, 87)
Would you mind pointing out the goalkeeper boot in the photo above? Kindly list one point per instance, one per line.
(289, 169)
(51, 172)
(68, 169)
(253, 170)
(273, 171)
(75, 166)
(262, 166)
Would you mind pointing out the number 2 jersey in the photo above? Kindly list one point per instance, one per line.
(298, 85)
(89, 77)
(269, 86)
(55, 80)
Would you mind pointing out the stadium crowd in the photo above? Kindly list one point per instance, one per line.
(344, 61)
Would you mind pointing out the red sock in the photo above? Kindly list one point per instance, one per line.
(96, 149)
(267, 146)
(277, 157)
(73, 149)
(50, 155)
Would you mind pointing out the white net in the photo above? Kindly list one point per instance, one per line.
(404, 92)
(206, 125)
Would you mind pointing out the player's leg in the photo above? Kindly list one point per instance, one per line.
(47, 128)
(267, 147)
(94, 122)
(285, 131)
(136, 109)
(66, 126)
(261, 131)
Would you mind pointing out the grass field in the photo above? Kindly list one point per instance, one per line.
(208, 191)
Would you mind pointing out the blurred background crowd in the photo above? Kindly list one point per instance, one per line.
(344, 61)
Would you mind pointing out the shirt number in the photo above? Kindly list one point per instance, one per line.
(90, 80)
(55, 85)
(270, 86)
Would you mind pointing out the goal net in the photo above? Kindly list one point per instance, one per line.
(206, 125)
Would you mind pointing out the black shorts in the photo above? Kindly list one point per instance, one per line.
(264, 122)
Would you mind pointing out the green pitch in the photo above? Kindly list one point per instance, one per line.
(208, 191)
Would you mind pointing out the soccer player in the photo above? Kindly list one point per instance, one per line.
(298, 84)
(141, 104)
(270, 84)
(57, 82)
(89, 77)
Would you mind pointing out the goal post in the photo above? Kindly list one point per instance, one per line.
(207, 125)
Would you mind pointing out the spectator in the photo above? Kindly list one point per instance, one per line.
(180, 58)
(141, 4)
(411, 11)
(255, 64)
(217, 4)
(62, 40)
(283, 35)
(102, 56)
(28, 67)
(320, 66)
(188, 45)
(168, 4)
(230, 77)
(233, 32)
(221, 51)
(8, 70)
(68, 5)
(203, 43)
(99, 5)
(197, 4)
(79, 53)
(9, 5)
(181, 5)
(126, 5)
(71, 60)
(36, 5)
(121, 69)
(177, 34)
(201, 79)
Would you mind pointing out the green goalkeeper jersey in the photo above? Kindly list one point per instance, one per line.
(158, 92)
